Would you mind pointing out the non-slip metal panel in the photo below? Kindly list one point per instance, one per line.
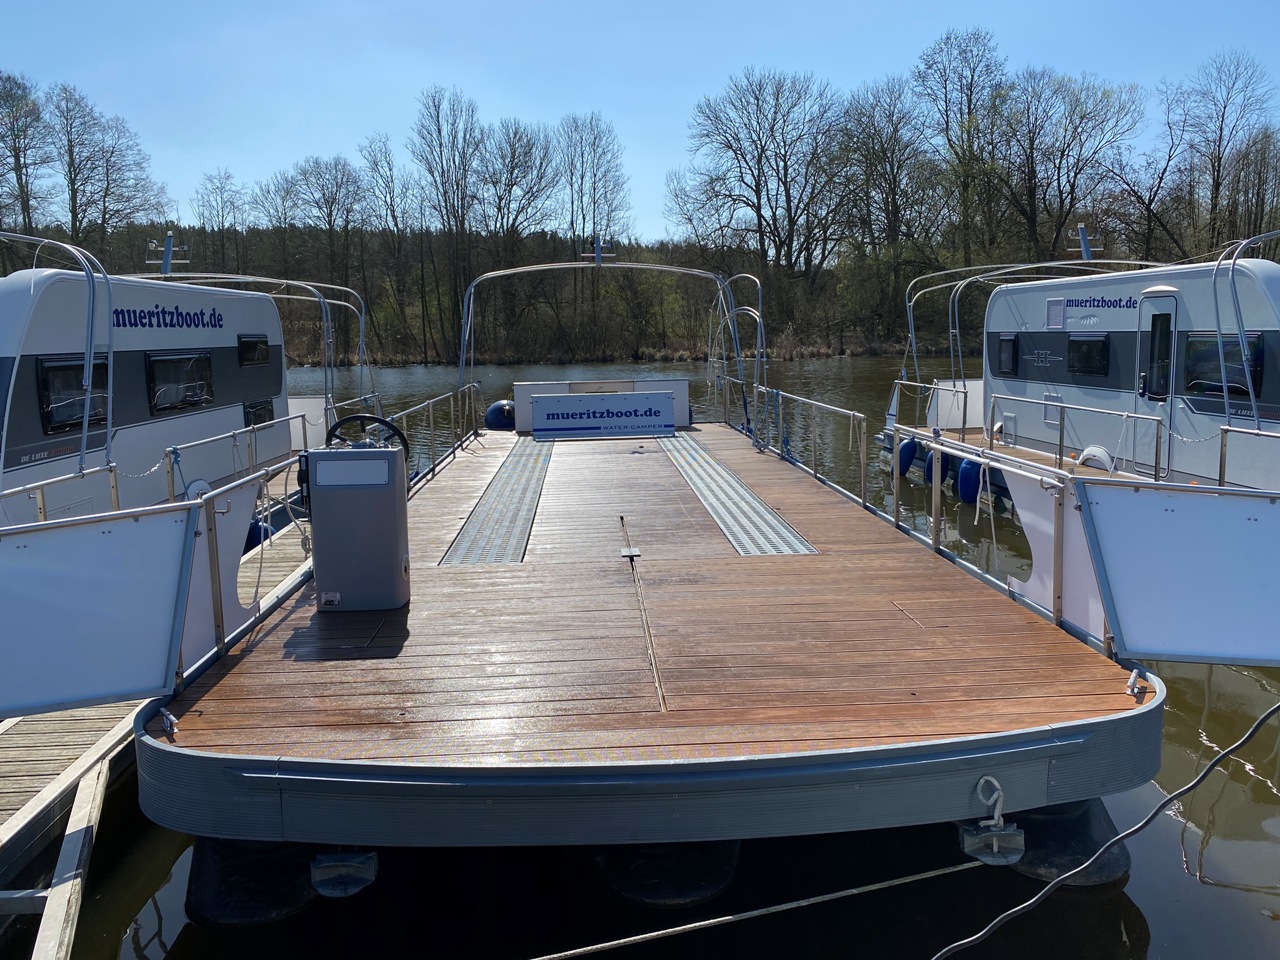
(498, 529)
(750, 524)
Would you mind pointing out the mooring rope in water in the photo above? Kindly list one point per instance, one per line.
(1141, 825)
(751, 914)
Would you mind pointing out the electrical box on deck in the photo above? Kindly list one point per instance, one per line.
(359, 526)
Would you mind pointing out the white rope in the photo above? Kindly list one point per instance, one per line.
(751, 914)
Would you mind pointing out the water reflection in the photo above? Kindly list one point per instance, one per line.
(514, 903)
(1205, 878)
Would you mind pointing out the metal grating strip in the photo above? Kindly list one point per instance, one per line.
(751, 525)
(498, 529)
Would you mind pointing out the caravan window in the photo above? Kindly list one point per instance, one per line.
(253, 350)
(1159, 364)
(1089, 354)
(259, 411)
(62, 394)
(1202, 366)
(1007, 361)
(179, 380)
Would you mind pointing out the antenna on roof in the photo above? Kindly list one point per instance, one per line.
(1085, 250)
(599, 246)
(167, 258)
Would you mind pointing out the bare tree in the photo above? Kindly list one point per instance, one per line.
(26, 148)
(516, 178)
(764, 168)
(275, 204)
(221, 208)
(329, 196)
(446, 143)
(960, 77)
(124, 191)
(1229, 99)
(1057, 132)
(596, 198)
(1146, 182)
(76, 131)
(894, 191)
(388, 210)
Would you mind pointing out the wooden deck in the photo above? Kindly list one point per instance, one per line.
(688, 652)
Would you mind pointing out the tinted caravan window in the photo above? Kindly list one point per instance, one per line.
(1089, 354)
(62, 394)
(177, 381)
(1007, 360)
(253, 350)
(1202, 365)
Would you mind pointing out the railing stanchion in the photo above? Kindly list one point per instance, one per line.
(897, 478)
(813, 443)
(1155, 472)
(1223, 433)
(862, 456)
(215, 574)
(935, 507)
(1059, 528)
(168, 473)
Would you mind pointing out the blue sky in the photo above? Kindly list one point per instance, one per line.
(255, 86)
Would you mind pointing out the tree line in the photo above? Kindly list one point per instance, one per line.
(835, 199)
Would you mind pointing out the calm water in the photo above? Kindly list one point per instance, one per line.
(1205, 879)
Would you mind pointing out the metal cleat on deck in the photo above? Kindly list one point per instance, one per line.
(992, 841)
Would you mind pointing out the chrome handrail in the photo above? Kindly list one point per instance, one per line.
(763, 435)
(463, 408)
(1224, 431)
(36, 489)
(174, 453)
(1158, 422)
(927, 388)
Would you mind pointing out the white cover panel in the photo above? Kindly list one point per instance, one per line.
(1187, 574)
(91, 611)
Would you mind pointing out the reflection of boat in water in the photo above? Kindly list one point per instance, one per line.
(1232, 823)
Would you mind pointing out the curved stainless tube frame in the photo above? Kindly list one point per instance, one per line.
(89, 264)
(728, 311)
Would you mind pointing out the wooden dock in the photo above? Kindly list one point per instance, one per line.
(633, 633)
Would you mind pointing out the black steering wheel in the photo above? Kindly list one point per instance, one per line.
(363, 418)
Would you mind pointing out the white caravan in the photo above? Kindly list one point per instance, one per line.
(186, 362)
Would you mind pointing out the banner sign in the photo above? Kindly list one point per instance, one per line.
(602, 416)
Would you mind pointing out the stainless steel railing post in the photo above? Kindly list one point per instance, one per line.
(1059, 536)
(935, 508)
(215, 573)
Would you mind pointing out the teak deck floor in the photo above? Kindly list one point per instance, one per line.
(579, 654)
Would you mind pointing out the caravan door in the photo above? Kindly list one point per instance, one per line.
(1157, 323)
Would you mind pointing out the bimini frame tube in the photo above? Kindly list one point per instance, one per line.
(1235, 252)
(466, 352)
(312, 292)
(90, 265)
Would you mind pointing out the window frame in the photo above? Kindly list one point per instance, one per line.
(1083, 363)
(184, 401)
(44, 366)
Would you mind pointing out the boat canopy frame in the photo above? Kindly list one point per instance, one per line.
(92, 269)
(727, 310)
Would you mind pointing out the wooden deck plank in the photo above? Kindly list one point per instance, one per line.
(549, 660)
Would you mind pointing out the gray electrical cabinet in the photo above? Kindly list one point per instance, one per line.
(359, 526)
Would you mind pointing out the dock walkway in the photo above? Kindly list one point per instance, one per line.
(633, 640)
